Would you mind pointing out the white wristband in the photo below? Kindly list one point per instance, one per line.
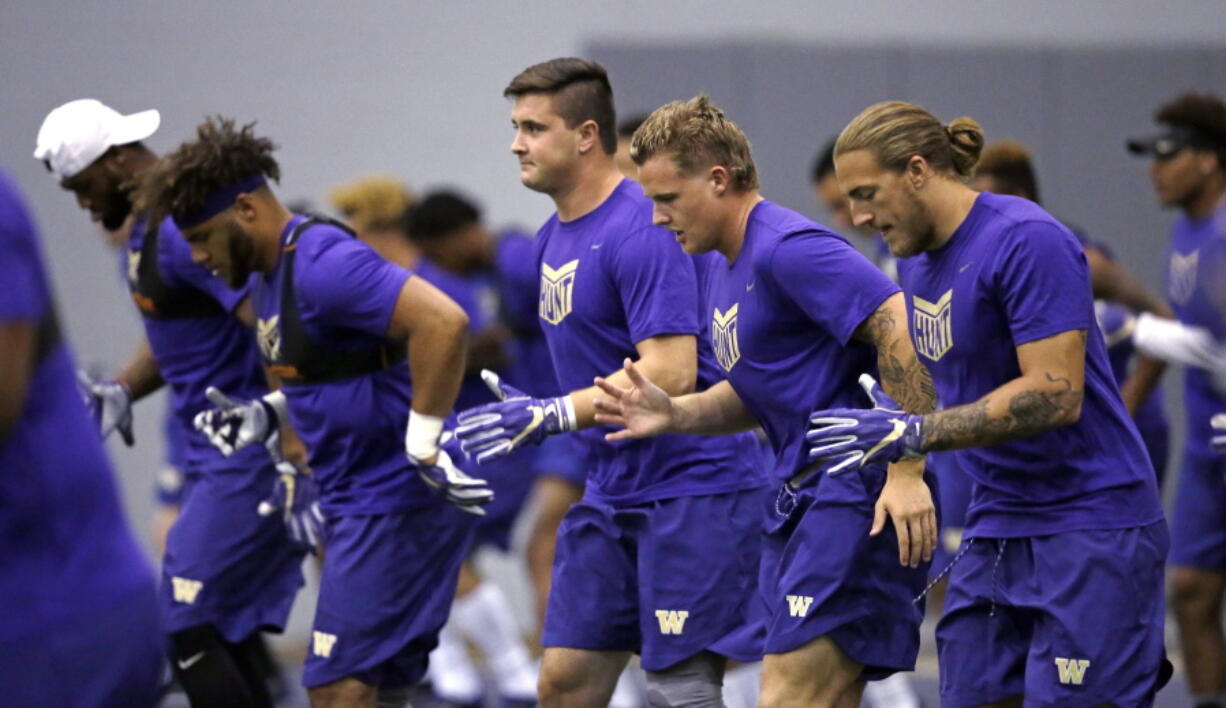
(422, 436)
(276, 399)
(569, 420)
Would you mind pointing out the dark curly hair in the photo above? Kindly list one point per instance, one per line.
(1204, 113)
(221, 155)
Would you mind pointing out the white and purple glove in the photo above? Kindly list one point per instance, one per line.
(296, 496)
(494, 430)
(1219, 432)
(233, 425)
(842, 437)
(109, 404)
(423, 440)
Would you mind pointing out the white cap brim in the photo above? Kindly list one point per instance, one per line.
(136, 126)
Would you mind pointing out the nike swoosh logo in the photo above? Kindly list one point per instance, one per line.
(750, 286)
(899, 428)
(185, 664)
(538, 417)
(968, 265)
(596, 245)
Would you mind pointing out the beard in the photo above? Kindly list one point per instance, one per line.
(241, 253)
(116, 205)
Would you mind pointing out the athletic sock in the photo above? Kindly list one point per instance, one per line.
(741, 685)
(451, 672)
(209, 673)
(894, 691)
(485, 617)
(626, 694)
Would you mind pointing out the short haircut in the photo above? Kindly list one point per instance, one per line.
(626, 128)
(1203, 113)
(372, 201)
(823, 164)
(1009, 163)
(696, 135)
(581, 92)
(221, 155)
(896, 131)
(439, 215)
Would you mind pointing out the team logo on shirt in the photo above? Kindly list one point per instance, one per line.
(798, 605)
(1072, 671)
(268, 336)
(557, 288)
(672, 621)
(933, 333)
(723, 336)
(1183, 276)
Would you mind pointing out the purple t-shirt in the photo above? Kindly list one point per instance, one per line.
(194, 353)
(1195, 278)
(353, 428)
(1009, 275)
(609, 280)
(62, 530)
(782, 316)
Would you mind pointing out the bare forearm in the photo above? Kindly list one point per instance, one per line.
(1141, 382)
(675, 380)
(141, 374)
(436, 360)
(716, 411)
(1115, 284)
(16, 368)
(902, 376)
(1025, 406)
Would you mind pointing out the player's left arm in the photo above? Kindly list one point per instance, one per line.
(669, 361)
(899, 370)
(141, 375)
(436, 329)
(1047, 395)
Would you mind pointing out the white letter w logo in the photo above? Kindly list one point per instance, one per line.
(323, 644)
(1072, 671)
(185, 590)
(672, 621)
(798, 605)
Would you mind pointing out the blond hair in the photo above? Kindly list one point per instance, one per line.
(696, 134)
(372, 202)
(896, 131)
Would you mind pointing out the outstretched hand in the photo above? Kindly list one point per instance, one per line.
(641, 411)
(907, 500)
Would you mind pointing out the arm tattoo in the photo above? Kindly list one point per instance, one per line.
(1029, 413)
(902, 375)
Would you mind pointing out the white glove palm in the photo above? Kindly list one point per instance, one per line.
(109, 404)
(233, 425)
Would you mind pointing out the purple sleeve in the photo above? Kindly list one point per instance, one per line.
(836, 286)
(175, 257)
(342, 282)
(1043, 281)
(22, 296)
(657, 284)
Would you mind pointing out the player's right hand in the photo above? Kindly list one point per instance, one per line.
(642, 411)
(1219, 432)
(233, 425)
(296, 496)
(109, 404)
(469, 494)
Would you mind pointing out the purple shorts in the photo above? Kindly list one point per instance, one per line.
(667, 579)
(1071, 619)
(386, 590)
(955, 493)
(226, 565)
(823, 575)
(1198, 523)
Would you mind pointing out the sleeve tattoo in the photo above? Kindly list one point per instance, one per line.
(902, 375)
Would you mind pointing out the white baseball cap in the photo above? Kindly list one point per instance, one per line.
(79, 132)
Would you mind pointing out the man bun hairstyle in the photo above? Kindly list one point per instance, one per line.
(581, 92)
(696, 135)
(896, 131)
(222, 155)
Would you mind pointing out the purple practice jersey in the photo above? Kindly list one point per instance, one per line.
(353, 427)
(1011, 274)
(531, 367)
(782, 318)
(1117, 323)
(609, 280)
(193, 353)
(1195, 280)
(67, 557)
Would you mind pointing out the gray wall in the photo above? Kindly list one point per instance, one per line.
(414, 88)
